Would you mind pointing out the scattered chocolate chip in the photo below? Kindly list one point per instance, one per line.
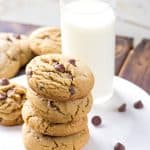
(4, 81)
(10, 93)
(119, 146)
(138, 105)
(60, 67)
(122, 108)
(18, 37)
(73, 62)
(72, 90)
(8, 39)
(96, 120)
(3, 96)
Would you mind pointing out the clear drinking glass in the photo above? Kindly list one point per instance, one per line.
(88, 33)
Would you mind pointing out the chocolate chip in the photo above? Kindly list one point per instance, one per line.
(18, 37)
(138, 105)
(10, 93)
(3, 96)
(96, 120)
(122, 108)
(4, 81)
(72, 90)
(60, 67)
(8, 39)
(73, 62)
(119, 146)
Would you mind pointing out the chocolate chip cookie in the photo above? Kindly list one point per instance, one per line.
(57, 111)
(46, 40)
(59, 78)
(22, 43)
(9, 59)
(45, 127)
(37, 141)
(12, 97)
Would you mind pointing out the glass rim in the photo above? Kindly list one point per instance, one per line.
(62, 5)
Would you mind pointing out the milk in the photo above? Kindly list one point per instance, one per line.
(88, 33)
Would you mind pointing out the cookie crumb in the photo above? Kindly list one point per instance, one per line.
(138, 105)
(96, 120)
(119, 146)
(122, 108)
(4, 81)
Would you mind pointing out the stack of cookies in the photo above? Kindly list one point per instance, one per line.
(59, 98)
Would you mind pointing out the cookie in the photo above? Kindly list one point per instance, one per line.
(22, 41)
(36, 141)
(17, 121)
(12, 98)
(44, 126)
(59, 78)
(9, 59)
(46, 40)
(57, 111)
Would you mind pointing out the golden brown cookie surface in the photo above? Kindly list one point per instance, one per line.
(59, 78)
(45, 127)
(46, 40)
(36, 141)
(57, 111)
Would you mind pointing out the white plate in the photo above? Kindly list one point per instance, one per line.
(131, 128)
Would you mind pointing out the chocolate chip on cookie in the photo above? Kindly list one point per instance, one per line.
(72, 90)
(73, 62)
(4, 81)
(3, 96)
(60, 67)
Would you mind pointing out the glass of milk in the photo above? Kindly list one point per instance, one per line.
(88, 33)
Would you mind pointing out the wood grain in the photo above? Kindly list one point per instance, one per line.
(123, 47)
(137, 66)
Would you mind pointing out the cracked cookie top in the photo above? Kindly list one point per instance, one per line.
(59, 78)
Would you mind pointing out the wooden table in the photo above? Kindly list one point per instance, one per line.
(132, 63)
